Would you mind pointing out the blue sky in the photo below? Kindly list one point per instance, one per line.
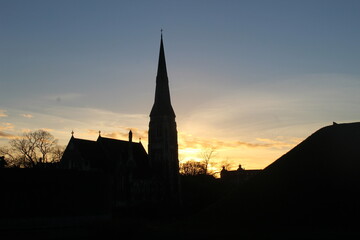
(252, 78)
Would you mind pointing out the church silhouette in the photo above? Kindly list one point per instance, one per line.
(135, 176)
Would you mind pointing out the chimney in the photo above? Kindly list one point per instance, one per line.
(130, 136)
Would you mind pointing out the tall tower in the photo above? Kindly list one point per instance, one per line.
(163, 144)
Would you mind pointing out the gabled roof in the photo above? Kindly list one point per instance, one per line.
(87, 150)
(119, 149)
(114, 148)
(106, 153)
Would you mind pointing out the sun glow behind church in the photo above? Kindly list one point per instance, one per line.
(251, 155)
(250, 78)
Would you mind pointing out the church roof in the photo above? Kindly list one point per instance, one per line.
(88, 150)
(106, 153)
(113, 148)
(162, 105)
(119, 149)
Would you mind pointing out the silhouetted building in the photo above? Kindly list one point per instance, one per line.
(238, 176)
(136, 176)
(125, 163)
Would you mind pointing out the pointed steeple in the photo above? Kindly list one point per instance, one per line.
(163, 143)
(162, 105)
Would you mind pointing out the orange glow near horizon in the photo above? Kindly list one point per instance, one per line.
(257, 154)
(251, 155)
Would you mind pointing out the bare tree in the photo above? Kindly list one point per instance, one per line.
(44, 142)
(207, 155)
(24, 149)
(32, 148)
(192, 168)
(57, 153)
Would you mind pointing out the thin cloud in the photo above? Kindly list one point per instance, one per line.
(47, 129)
(188, 141)
(6, 135)
(268, 144)
(26, 130)
(6, 126)
(94, 118)
(26, 115)
(115, 135)
(3, 113)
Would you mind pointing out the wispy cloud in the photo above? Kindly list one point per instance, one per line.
(6, 135)
(266, 143)
(27, 115)
(26, 130)
(48, 129)
(64, 119)
(6, 126)
(3, 113)
(189, 141)
(98, 118)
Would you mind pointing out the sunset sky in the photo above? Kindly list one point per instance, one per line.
(250, 78)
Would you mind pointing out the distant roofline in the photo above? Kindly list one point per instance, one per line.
(114, 139)
(236, 170)
(82, 139)
(107, 138)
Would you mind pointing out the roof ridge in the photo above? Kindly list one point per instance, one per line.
(114, 139)
(81, 139)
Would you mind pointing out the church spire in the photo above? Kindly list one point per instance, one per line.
(163, 144)
(162, 105)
